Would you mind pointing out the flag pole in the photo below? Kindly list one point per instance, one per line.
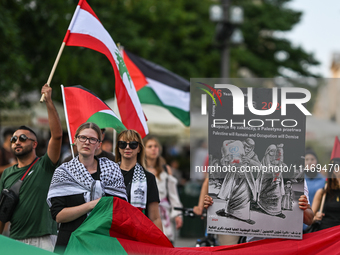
(114, 140)
(66, 118)
(42, 99)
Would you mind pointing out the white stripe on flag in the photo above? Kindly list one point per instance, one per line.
(170, 96)
(87, 24)
(110, 112)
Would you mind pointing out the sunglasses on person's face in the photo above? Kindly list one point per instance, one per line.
(133, 145)
(22, 138)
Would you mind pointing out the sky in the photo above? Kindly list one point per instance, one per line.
(319, 30)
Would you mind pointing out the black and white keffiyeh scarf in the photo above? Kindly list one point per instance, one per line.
(72, 178)
(138, 191)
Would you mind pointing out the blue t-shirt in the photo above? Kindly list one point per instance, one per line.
(313, 185)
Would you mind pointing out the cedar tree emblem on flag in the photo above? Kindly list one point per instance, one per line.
(85, 30)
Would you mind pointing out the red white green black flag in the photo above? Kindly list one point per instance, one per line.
(158, 86)
(81, 105)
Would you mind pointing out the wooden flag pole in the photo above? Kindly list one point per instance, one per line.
(42, 99)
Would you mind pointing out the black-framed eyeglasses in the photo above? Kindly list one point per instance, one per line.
(22, 138)
(133, 145)
(83, 139)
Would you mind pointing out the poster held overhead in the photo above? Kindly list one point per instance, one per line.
(256, 158)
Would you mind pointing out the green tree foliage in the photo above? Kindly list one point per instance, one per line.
(176, 34)
(263, 20)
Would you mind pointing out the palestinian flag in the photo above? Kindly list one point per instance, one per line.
(157, 85)
(81, 105)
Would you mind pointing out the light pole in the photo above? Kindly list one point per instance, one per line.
(225, 44)
(228, 19)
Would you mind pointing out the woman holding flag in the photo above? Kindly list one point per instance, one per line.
(77, 185)
(140, 184)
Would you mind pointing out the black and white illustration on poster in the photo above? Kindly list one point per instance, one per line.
(254, 164)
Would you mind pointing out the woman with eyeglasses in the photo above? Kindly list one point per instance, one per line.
(77, 185)
(140, 184)
(167, 186)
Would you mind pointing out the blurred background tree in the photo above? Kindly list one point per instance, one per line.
(176, 34)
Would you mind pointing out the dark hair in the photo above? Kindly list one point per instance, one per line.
(90, 125)
(131, 135)
(311, 152)
(27, 128)
(332, 182)
(8, 131)
(108, 140)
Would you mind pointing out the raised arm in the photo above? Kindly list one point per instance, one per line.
(54, 145)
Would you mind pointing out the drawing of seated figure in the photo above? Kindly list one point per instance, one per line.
(237, 187)
(270, 183)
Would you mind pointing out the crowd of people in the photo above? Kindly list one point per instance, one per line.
(55, 198)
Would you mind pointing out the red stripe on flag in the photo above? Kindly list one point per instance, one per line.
(85, 6)
(66, 36)
(128, 114)
(129, 222)
(324, 242)
(137, 76)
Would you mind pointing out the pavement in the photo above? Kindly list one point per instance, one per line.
(185, 242)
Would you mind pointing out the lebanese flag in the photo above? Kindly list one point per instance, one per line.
(116, 227)
(81, 105)
(85, 30)
(158, 86)
(336, 149)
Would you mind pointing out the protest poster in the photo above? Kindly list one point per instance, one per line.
(255, 164)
